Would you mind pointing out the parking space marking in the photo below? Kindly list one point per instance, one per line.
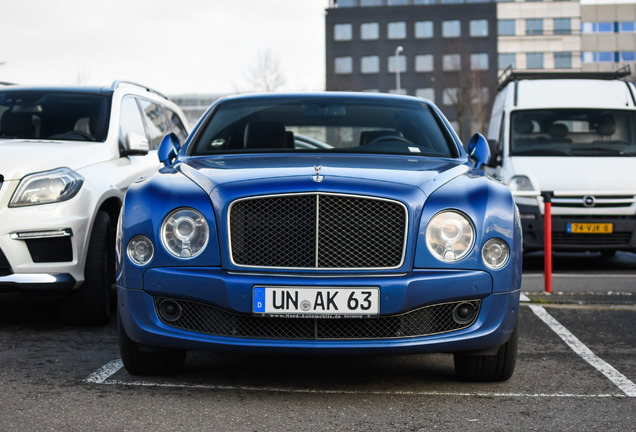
(620, 380)
(102, 376)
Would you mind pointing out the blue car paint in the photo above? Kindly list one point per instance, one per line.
(426, 185)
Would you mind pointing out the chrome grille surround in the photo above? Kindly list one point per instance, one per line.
(317, 231)
(425, 321)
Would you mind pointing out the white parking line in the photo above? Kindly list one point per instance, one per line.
(620, 380)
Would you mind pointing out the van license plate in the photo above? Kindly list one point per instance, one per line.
(590, 228)
(313, 302)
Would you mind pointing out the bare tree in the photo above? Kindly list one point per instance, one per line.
(266, 74)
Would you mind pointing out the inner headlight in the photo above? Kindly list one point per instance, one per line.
(60, 184)
(185, 233)
(495, 253)
(450, 236)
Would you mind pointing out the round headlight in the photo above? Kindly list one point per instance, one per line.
(450, 236)
(184, 233)
(140, 250)
(495, 253)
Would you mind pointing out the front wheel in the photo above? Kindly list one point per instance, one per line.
(91, 303)
(139, 361)
(497, 367)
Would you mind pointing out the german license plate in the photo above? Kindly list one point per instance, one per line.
(590, 228)
(314, 302)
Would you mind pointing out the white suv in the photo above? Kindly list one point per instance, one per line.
(67, 157)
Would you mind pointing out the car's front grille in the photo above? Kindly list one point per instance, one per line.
(613, 239)
(587, 201)
(208, 319)
(320, 231)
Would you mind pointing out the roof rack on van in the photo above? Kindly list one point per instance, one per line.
(509, 75)
(117, 83)
(6, 83)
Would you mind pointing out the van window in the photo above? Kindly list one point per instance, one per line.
(573, 132)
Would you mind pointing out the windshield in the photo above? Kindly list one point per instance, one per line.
(309, 124)
(573, 132)
(53, 115)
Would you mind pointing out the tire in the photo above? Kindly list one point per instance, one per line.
(147, 362)
(497, 367)
(91, 303)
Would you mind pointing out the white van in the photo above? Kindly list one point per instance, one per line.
(574, 135)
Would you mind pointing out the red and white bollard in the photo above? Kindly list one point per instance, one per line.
(547, 240)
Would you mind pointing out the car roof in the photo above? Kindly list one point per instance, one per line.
(333, 95)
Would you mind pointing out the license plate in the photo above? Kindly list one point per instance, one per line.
(313, 302)
(590, 228)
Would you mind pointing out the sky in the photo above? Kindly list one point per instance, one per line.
(176, 47)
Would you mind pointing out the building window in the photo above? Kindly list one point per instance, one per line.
(396, 30)
(450, 96)
(506, 27)
(397, 2)
(370, 3)
(423, 29)
(628, 56)
(597, 27)
(346, 3)
(426, 93)
(562, 26)
(627, 27)
(342, 32)
(479, 61)
(424, 63)
(424, 2)
(480, 96)
(479, 28)
(451, 62)
(534, 60)
(451, 29)
(370, 64)
(563, 60)
(343, 65)
(507, 60)
(534, 26)
(401, 63)
(369, 31)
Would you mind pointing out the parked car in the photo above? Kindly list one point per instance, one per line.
(328, 223)
(67, 157)
(572, 136)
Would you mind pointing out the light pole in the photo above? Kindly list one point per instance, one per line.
(398, 50)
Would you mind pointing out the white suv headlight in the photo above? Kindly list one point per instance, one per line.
(450, 236)
(47, 187)
(520, 184)
(185, 233)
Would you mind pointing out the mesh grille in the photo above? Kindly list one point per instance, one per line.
(317, 231)
(614, 239)
(208, 319)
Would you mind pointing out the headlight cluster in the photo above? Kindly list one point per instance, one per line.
(184, 234)
(47, 187)
(450, 236)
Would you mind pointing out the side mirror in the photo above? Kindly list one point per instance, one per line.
(479, 150)
(168, 149)
(136, 144)
(495, 153)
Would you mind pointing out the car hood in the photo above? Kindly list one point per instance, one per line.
(22, 157)
(589, 175)
(426, 174)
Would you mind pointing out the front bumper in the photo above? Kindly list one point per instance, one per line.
(403, 295)
(623, 236)
(31, 282)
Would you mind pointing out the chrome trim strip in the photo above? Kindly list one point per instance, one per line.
(406, 231)
(28, 235)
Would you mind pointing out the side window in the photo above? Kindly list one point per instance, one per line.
(176, 125)
(130, 121)
(157, 128)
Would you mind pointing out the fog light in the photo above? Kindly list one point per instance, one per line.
(463, 313)
(140, 250)
(495, 253)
